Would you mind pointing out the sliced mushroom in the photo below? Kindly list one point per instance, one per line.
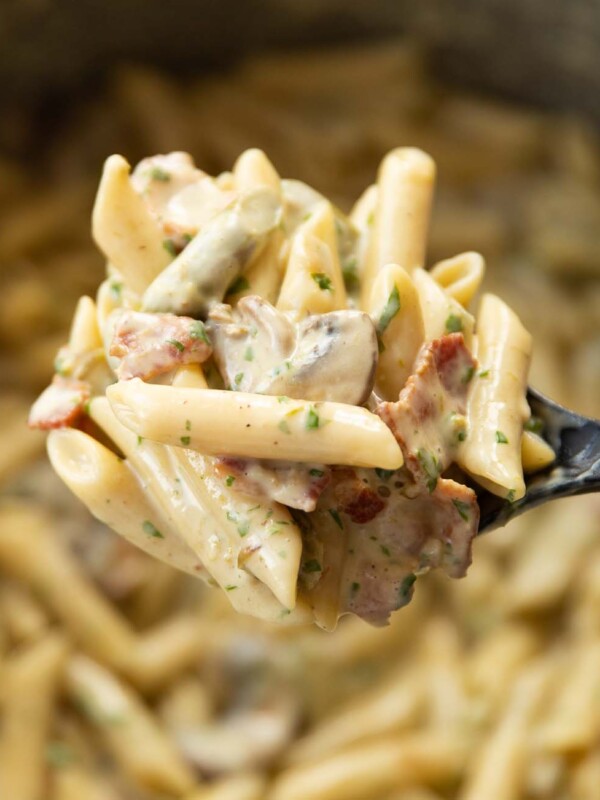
(325, 357)
(199, 276)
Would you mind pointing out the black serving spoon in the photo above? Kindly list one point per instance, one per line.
(576, 470)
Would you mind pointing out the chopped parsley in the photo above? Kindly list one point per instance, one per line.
(159, 174)
(534, 425)
(238, 378)
(391, 308)
(312, 419)
(322, 280)
(238, 285)
(312, 566)
(462, 508)
(59, 754)
(510, 497)
(461, 436)
(176, 343)
(230, 588)
(454, 324)
(484, 373)
(430, 466)
(188, 424)
(385, 550)
(169, 246)
(316, 473)
(187, 237)
(140, 439)
(336, 518)
(406, 586)
(151, 530)
(198, 331)
(230, 480)
(282, 399)
(249, 354)
(501, 438)
(355, 587)
(243, 528)
(116, 289)
(468, 374)
(371, 218)
(384, 474)
(185, 440)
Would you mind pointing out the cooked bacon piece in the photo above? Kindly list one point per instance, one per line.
(151, 344)
(428, 418)
(294, 485)
(359, 501)
(60, 405)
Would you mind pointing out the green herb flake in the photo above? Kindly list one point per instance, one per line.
(230, 480)
(176, 343)
(385, 550)
(188, 424)
(185, 440)
(406, 586)
(283, 426)
(350, 274)
(198, 331)
(116, 290)
(238, 378)
(249, 354)
(312, 419)
(462, 508)
(243, 528)
(151, 530)
(336, 518)
(391, 308)
(240, 284)
(384, 474)
(371, 218)
(355, 587)
(430, 466)
(169, 246)
(510, 497)
(461, 436)
(159, 174)
(187, 237)
(231, 516)
(454, 324)
(140, 439)
(312, 566)
(322, 280)
(316, 473)
(468, 375)
(59, 754)
(283, 399)
(484, 373)
(534, 425)
(230, 588)
(501, 438)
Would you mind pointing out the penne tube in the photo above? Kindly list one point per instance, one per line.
(373, 769)
(396, 313)
(446, 694)
(572, 723)
(245, 537)
(124, 229)
(165, 651)
(460, 276)
(392, 707)
(84, 335)
(30, 683)
(55, 575)
(405, 185)
(536, 454)
(108, 487)
(255, 426)
(313, 281)
(128, 728)
(500, 764)
(497, 407)
(253, 169)
(264, 274)
(441, 313)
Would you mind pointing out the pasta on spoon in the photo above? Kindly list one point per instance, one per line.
(280, 398)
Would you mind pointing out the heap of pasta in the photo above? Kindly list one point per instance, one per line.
(278, 397)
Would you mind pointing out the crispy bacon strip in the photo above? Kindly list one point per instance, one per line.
(152, 344)
(60, 405)
(295, 485)
(428, 420)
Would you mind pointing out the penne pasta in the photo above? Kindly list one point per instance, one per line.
(460, 276)
(442, 314)
(239, 424)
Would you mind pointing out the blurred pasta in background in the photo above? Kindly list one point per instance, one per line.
(123, 679)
